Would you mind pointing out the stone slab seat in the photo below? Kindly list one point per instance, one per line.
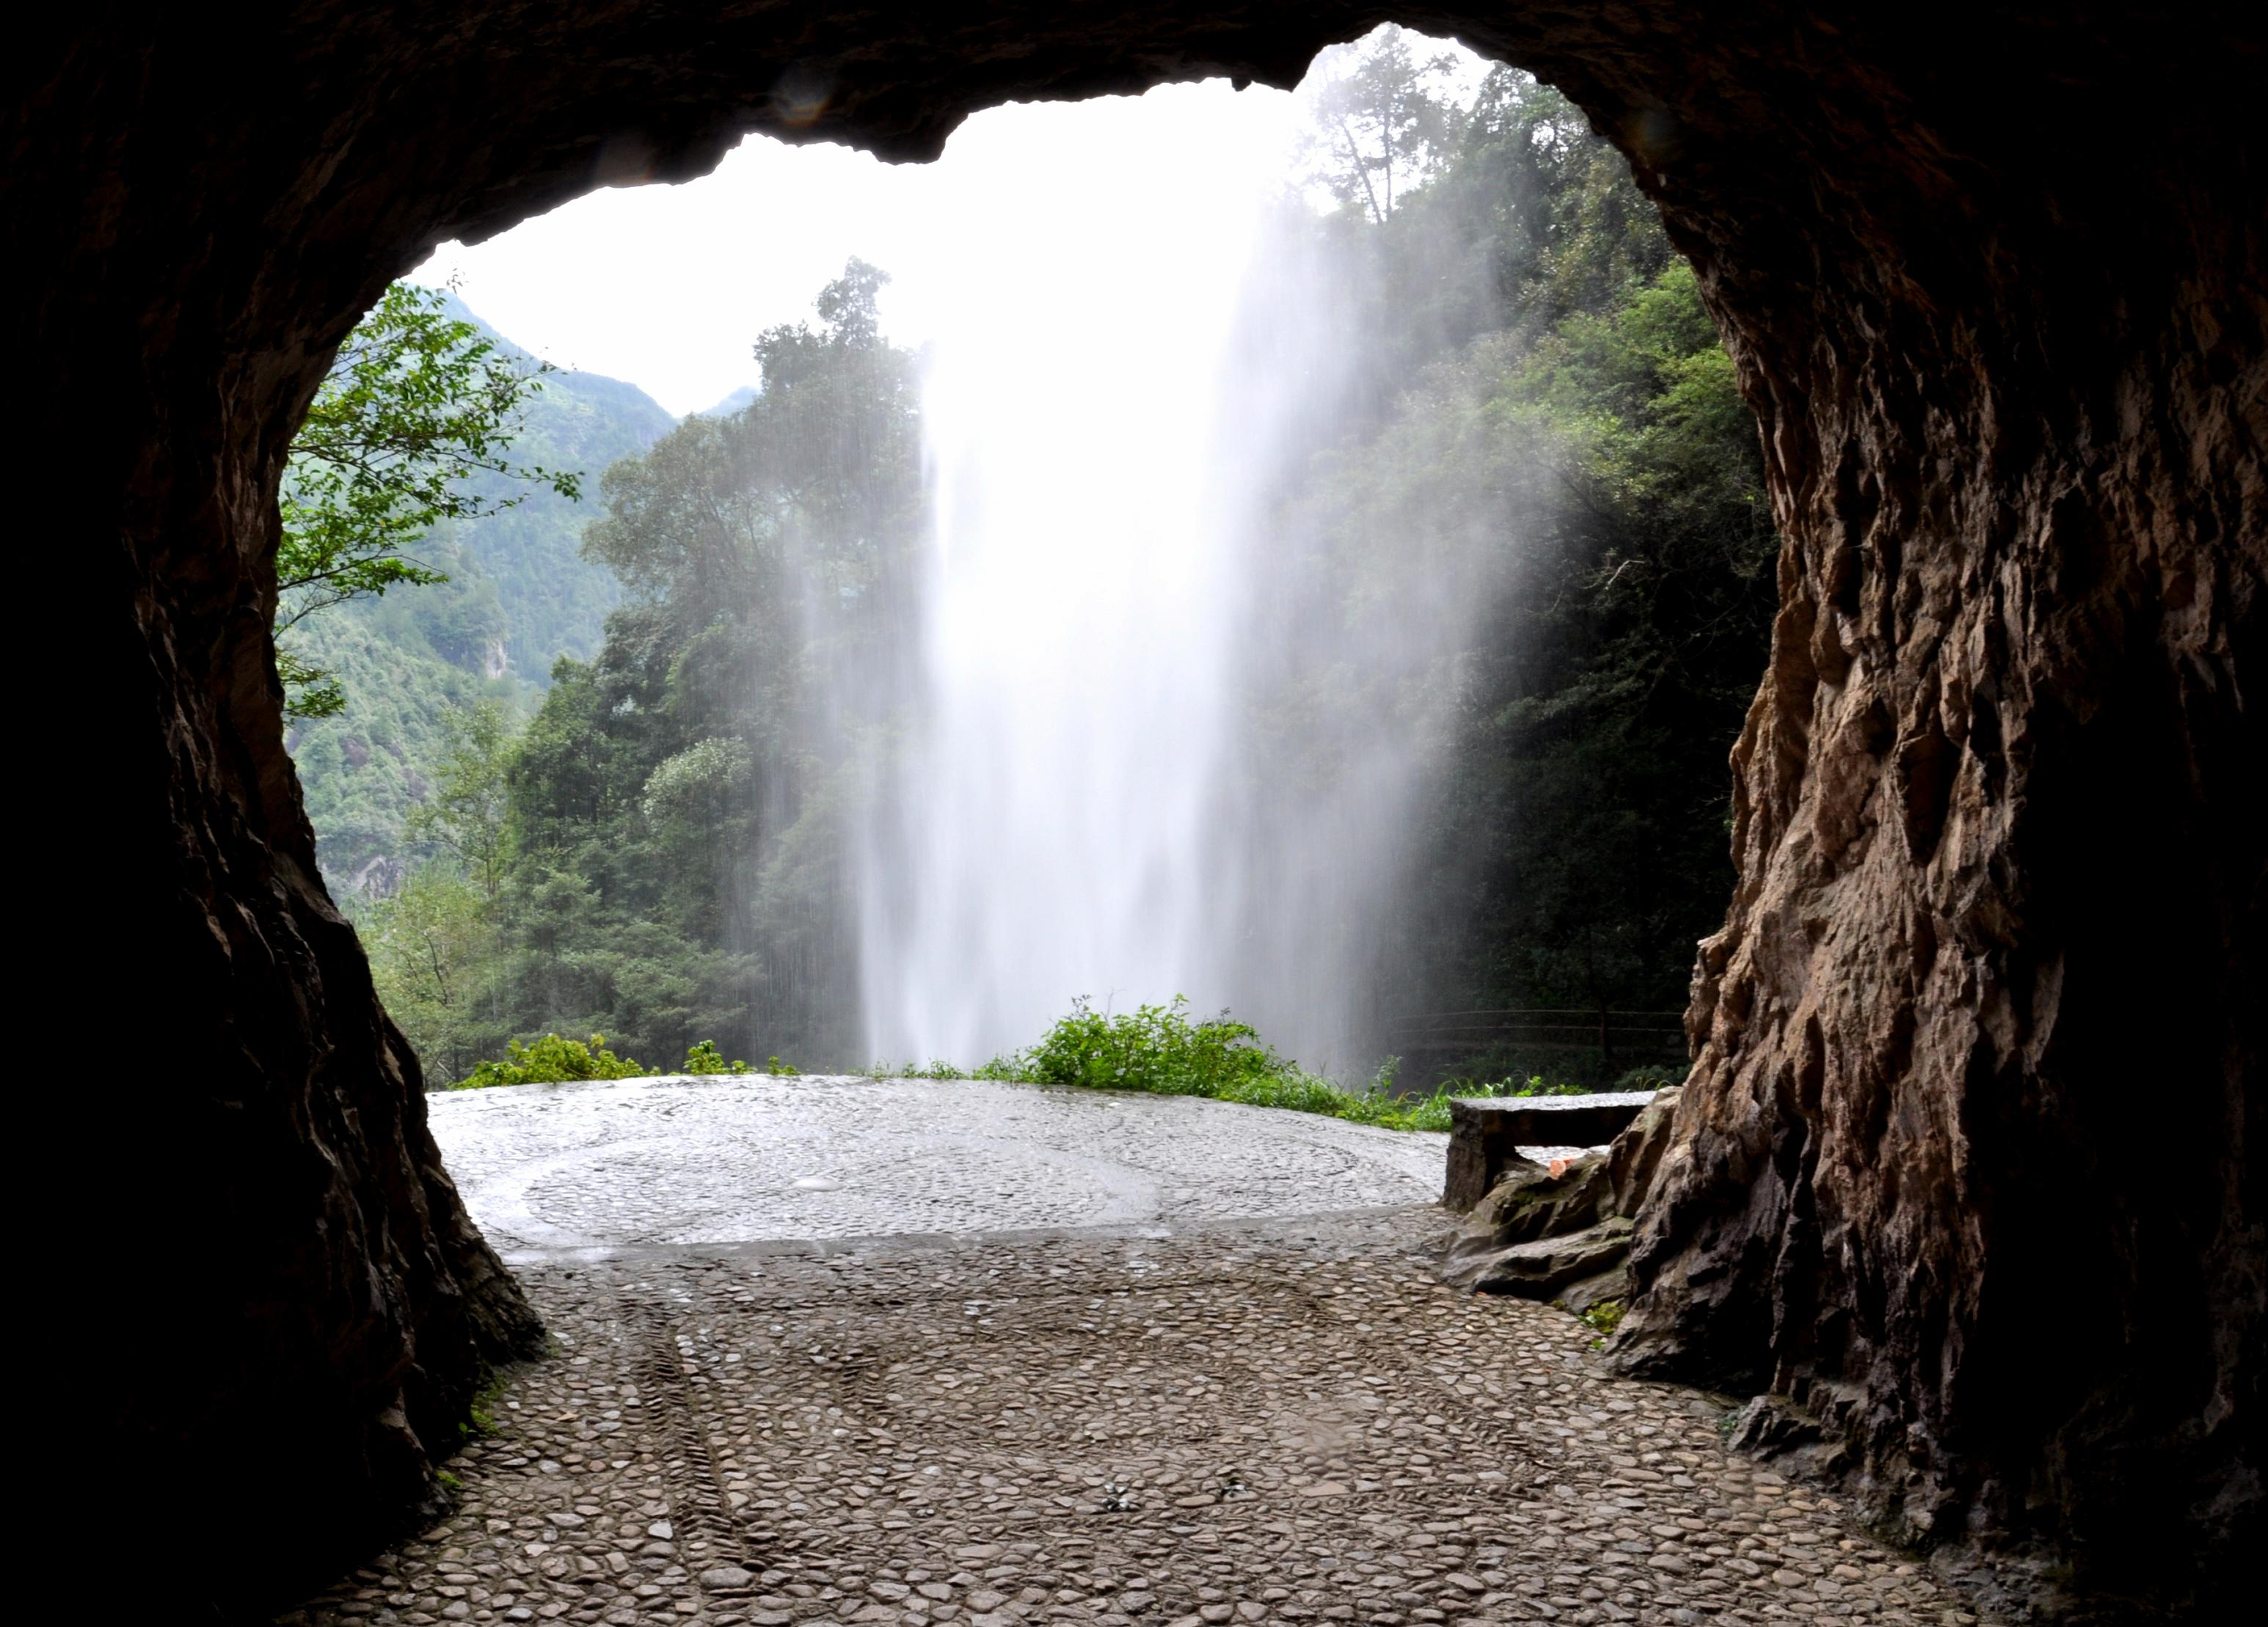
(1487, 1132)
(1563, 1231)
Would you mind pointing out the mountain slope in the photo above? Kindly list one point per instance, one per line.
(554, 601)
(521, 595)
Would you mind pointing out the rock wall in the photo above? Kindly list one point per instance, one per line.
(1993, 284)
(1962, 1172)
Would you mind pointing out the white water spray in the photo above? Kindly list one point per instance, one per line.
(1104, 434)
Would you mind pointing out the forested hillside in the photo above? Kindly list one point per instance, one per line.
(520, 594)
(1537, 454)
(671, 822)
(1558, 476)
(555, 599)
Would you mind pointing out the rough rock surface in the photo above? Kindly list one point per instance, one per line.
(1997, 806)
(1543, 1229)
(1489, 1134)
(1542, 1268)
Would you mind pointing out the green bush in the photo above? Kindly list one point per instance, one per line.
(552, 1060)
(706, 1058)
(1534, 1086)
(916, 1071)
(1156, 1048)
(1603, 1318)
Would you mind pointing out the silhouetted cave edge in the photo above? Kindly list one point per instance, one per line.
(1998, 792)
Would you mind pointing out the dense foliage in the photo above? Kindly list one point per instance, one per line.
(514, 592)
(661, 853)
(1559, 477)
(553, 1060)
(1536, 453)
(419, 403)
(1156, 1049)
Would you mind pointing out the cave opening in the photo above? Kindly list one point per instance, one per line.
(2008, 367)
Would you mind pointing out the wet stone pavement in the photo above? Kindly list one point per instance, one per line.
(587, 1171)
(1193, 1422)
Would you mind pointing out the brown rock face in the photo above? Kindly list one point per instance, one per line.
(1962, 1166)
(1486, 1134)
(1536, 1232)
(1998, 819)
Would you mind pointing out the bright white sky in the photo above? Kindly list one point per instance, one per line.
(668, 287)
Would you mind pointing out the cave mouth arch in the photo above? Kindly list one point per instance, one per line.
(2009, 364)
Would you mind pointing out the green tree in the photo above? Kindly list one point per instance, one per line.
(679, 805)
(431, 948)
(1550, 468)
(1379, 122)
(468, 812)
(416, 403)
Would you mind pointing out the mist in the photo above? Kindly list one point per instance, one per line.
(1303, 553)
(1095, 797)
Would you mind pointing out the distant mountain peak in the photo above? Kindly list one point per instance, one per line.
(732, 403)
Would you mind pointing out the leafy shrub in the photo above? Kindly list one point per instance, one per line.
(916, 1071)
(1534, 1086)
(1156, 1048)
(1159, 1048)
(1604, 1317)
(552, 1060)
(706, 1058)
(780, 1070)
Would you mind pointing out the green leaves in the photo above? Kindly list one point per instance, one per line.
(309, 691)
(706, 781)
(430, 946)
(1156, 1048)
(468, 811)
(705, 1058)
(416, 403)
(552, 1060)
(1378, 124)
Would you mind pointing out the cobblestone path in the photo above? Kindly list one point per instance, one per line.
(1290, 1421)
(564, 1172)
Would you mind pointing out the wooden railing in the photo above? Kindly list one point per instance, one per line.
(1638, 1035)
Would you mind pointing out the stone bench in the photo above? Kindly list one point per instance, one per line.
(1485, 1133)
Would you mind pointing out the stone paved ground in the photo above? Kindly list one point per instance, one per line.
(584, 1171)
(1286, 1421)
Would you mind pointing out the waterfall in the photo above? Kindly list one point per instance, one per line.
(1123, 356)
